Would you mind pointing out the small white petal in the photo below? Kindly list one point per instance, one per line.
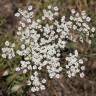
(30, 8)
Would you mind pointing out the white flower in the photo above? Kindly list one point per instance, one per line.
(76, 53)
(33, 89)
(56, 8)
(88, 19)
(23, 25)
(58, 54)
(36, 73)
(29, 20)
(44, 81)
(73, 11)
(82, 75)
(22, 46)
(93, 29)
(29, 82)
(19, 28)
(29, 67)
(67, 66)
(82, 67)
(81, 61)
(30, 8)
(71, 18)
(37, 89)
(17, 14)
(42, 87)
(17, 69)
(57, 76)
(7, 43)
(25, 71)
(34, 67)
(4, 55)
(74, 27)
(32, 77)
(49, 7)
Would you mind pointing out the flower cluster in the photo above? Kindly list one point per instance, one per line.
(36, 82)
(8, 51)
(42, 40)
(80, 24)
(40, 45)
(49, 14)
(74, 65)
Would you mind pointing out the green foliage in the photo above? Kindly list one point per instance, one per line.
(2, 21)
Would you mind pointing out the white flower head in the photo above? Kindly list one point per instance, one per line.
(30, 7)
(74, 65)
(17, 14)
(42, 40)
(7, 43)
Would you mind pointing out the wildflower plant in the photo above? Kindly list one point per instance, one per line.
(41, 41)
(74, 65)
